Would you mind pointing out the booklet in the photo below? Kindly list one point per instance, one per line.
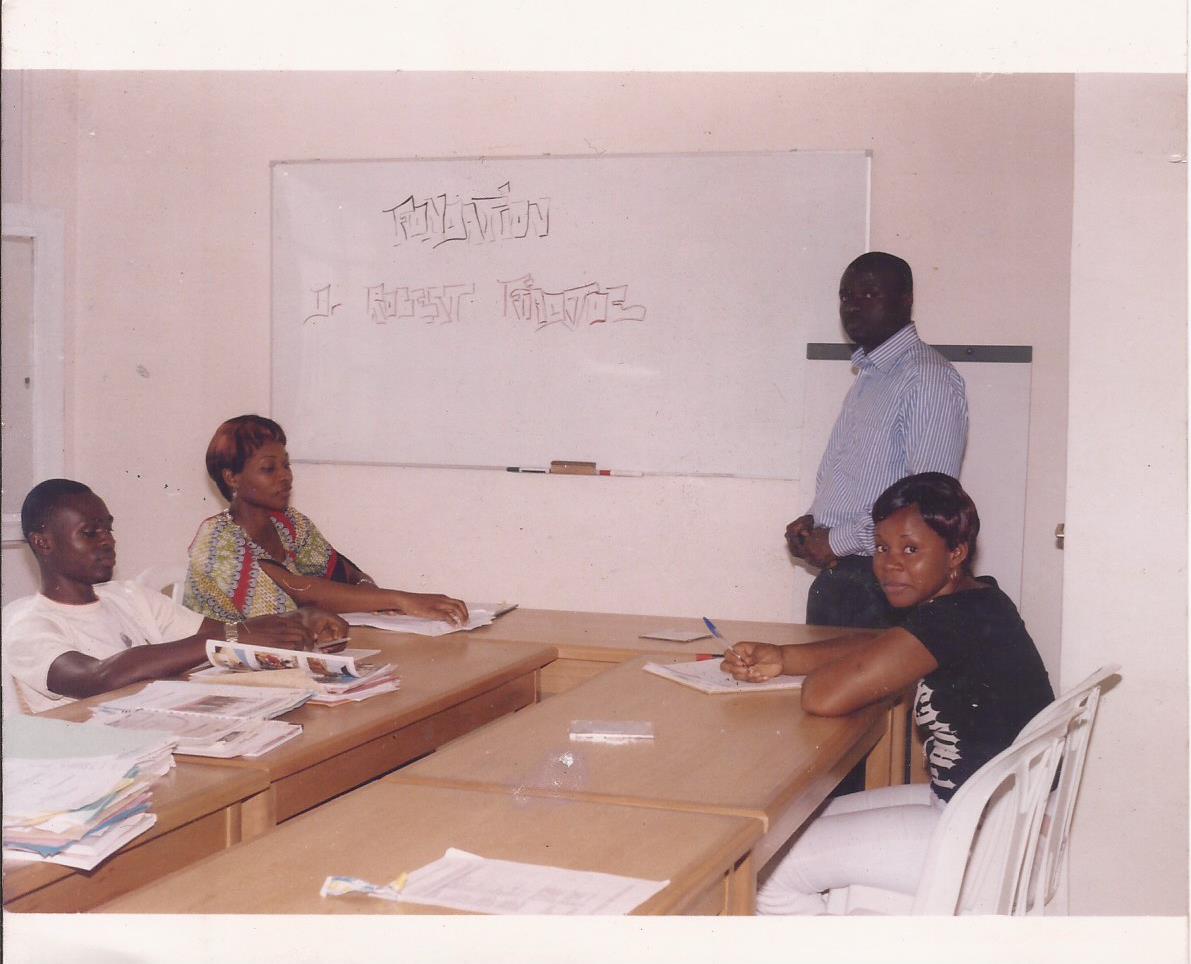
(706, 676)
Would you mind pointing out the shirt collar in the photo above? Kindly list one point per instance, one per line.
(886, 354)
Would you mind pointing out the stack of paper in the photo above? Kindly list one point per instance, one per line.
(479, 614)
(74, 794)
(216, 721)
(328, 677)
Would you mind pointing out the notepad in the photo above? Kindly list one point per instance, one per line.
(707, 677)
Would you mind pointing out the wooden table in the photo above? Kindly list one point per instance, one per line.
(757, 755)
(200, 810)
(449, 686)
(387, 828)
(590, 643)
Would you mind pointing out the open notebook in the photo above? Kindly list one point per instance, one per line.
(706, 676)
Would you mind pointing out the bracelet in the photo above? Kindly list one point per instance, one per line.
(365, 581)
(231, 632)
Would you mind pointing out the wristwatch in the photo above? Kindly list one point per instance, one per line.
(231, 632)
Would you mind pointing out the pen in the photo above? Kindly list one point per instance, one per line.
(524, 468)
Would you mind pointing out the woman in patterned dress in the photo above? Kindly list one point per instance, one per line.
(261, 555)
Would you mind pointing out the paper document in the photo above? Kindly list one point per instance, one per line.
(706, 676)
(672, 635)
(464, 881)
(479, 614)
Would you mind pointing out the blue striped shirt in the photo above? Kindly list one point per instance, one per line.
(905, 413)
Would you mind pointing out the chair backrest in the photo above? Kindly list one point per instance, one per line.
(1077, 708)
(981, 854)
(163, 578)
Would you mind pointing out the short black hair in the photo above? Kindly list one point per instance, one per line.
(43, 499)
(888, 264)
(942, 503)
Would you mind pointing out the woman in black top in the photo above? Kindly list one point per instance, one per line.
(980, 680)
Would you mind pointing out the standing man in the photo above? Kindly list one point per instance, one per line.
(906, 413)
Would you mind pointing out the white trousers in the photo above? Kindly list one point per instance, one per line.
(877, 837)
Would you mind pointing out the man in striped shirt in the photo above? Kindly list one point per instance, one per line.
(905, 413)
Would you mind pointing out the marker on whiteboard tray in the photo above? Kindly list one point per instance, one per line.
(632, 475)
(527, 468)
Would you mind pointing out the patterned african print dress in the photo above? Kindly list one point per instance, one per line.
(225, 580)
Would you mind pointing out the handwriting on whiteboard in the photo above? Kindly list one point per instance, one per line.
(477, 220)
(521, 300)
(431, 303)
(587, 304)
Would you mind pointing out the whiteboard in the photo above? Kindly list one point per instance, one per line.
(645, 312)
(994, 468)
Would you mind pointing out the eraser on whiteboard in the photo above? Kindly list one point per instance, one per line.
(564, 467)
(611, 731)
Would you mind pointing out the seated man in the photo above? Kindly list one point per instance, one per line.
(84, 634)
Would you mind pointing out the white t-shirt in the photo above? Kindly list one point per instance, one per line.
(37, 630)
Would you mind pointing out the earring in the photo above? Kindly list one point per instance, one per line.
(953, 575)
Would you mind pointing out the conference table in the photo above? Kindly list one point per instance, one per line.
(755, 758)
(387, 828)
(755, 755)
(590, 643)
(449, 686)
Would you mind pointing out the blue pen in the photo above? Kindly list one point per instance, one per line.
(715, 632)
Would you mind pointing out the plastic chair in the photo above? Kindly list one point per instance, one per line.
(1078, 708)
(170, 580)
(981, 855)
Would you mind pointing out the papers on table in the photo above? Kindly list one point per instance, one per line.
(706, 676)
(672, 635)
(74, 794)
(479, 614)
(465, 881)
(240, 702)
(207, 720)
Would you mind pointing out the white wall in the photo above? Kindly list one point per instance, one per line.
(971, 182)
(1125, 594)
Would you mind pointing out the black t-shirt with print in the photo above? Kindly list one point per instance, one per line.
(990, 681)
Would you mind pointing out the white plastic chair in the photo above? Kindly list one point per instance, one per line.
(170, 580)
(1078, 708)
(981, 854)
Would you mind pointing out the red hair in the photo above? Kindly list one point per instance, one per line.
(234, 442)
